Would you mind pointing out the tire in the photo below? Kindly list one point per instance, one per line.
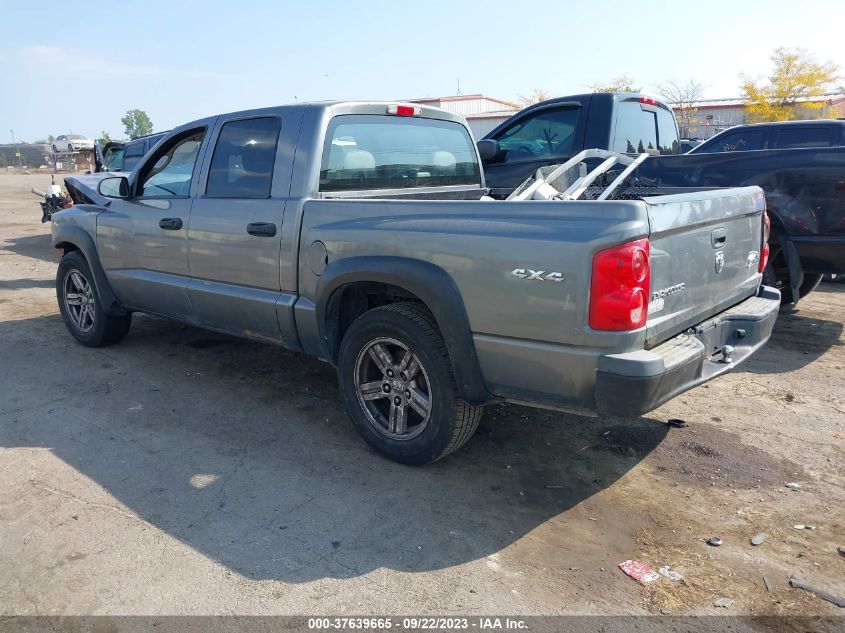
(80, 306)
(776, 275)
(430, 429)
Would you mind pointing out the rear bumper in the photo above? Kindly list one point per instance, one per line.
(634, 383)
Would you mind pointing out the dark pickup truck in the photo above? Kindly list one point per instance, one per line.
(553, 131)
(776, 135)
(805, 196)
(124, 155)
(805, 187)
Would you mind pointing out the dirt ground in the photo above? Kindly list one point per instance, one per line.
(183, 472)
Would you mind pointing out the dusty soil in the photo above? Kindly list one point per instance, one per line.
(187, 472)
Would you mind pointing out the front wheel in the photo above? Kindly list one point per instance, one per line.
(398, 386)
(80, 306)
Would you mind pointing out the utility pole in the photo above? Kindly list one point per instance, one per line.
(17, 149)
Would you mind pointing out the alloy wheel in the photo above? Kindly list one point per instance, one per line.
(393, 388)
(79, 300)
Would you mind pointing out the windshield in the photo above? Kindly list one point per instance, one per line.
(114, 158)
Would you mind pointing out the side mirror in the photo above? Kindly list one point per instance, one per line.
(488, 148)
(114, 187)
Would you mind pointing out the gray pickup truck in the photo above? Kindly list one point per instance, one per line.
(360, 233)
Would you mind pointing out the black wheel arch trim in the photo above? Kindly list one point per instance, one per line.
(425, 280)
(82, 241)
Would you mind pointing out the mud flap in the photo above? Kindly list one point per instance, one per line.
(796, 272)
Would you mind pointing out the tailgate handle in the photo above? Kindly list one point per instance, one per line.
(718, 238)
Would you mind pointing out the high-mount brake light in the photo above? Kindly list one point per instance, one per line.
(404, 110)
(620, 286)
(648, 103)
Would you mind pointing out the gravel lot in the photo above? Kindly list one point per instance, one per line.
(183, 472)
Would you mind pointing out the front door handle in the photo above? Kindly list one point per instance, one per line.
(261, 229)
(170, 224)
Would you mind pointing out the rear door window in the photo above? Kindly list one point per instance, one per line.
(636, 129)
(793, 137)
(364, 152)
(667, 132)
(242, 165)
(543, 135)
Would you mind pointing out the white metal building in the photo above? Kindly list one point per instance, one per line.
(482, 113)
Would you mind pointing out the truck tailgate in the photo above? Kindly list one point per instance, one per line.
(705, 249)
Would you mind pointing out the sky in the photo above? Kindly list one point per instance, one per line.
(79, 67)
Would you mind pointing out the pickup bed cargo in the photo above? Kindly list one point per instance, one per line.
(804, 178)
(360, 233)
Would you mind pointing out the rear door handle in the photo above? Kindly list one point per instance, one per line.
(261, 229)
(718, 238)
(170, 224)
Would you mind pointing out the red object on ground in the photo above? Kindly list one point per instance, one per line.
(639, 571)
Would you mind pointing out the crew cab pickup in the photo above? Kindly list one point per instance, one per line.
(360, 233)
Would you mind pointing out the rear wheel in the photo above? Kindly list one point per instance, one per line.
(398, 386)
(80, 306)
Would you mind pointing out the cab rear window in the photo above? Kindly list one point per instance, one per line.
(365, 152)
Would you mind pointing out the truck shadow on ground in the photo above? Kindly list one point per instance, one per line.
(35, 246)
(244, 453)
(804, 337)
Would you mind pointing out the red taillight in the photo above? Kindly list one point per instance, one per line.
(764, 245)
(404, 110)
(648, 100)
(619, 287)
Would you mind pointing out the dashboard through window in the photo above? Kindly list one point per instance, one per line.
(365, 152)
(545, 134)
(172, 168)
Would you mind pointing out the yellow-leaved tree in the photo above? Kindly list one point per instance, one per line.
(796, 78)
